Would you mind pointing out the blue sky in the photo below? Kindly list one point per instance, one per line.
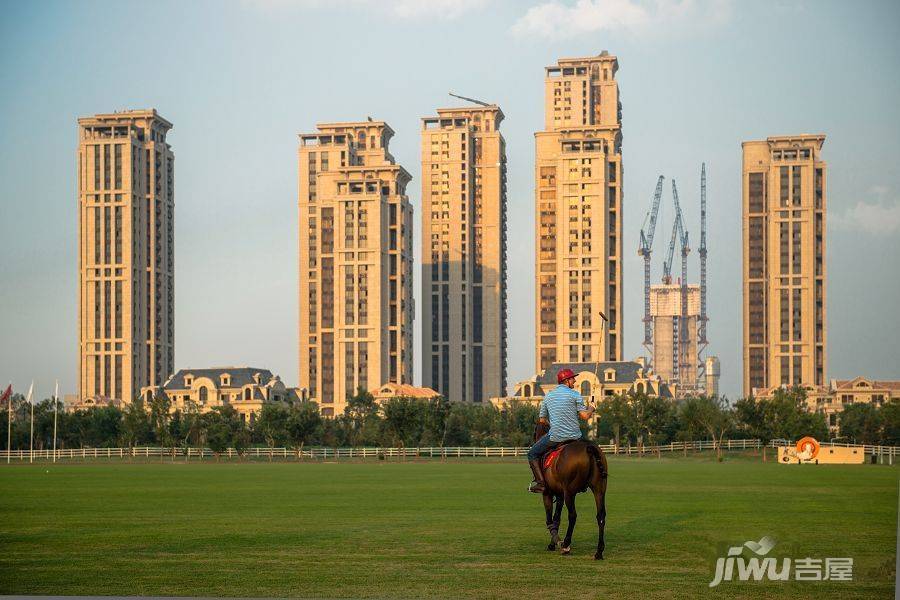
(239, 80)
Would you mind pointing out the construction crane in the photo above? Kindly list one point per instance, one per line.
(683, 235)
(679, 342)
(644, 250)
(701, 334)
(678, 234)
(470, 99)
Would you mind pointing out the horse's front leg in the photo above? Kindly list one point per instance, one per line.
(552, 527)
(557, 516)
(569, 499)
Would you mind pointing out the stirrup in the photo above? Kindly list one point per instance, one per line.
(533, 488)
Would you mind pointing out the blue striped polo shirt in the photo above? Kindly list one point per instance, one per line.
(561, 406)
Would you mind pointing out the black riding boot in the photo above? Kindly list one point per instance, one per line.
(537, 486)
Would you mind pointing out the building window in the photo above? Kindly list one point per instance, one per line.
(585, 388)
(204, 395)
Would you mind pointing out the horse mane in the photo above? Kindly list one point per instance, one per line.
(540, 429)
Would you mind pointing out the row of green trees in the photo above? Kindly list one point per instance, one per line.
(625, 420)
(139, 424)
(639, 418)
(398, 422)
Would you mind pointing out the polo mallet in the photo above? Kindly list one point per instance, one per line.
(599, 350)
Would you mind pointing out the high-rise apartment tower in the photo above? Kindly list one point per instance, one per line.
(356, 305)
(464, 253)
(578, 202)
(126, 256)
(784, 262)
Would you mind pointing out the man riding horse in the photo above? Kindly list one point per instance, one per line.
(564, 406)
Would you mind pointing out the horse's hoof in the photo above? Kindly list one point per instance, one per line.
(565, 550)
(598, 556)
(551, 546)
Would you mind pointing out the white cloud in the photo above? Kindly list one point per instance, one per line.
(559, 20)
(401, 9)
(879, 217)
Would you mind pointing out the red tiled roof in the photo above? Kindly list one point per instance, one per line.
(404, 390)
(848, 384)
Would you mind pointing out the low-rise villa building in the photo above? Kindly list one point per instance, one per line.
(244, 388)
(595, 381)
(403, 390)
(831, 400)
(72, 402)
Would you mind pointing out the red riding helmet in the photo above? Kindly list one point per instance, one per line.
(564, 374)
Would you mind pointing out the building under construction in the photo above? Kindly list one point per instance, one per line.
(674, 311)
(675, 333)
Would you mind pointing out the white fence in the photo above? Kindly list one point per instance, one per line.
(321, 453)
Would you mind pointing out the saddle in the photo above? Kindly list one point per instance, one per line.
(551, 456)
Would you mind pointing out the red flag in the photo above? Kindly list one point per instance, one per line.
(6, 394)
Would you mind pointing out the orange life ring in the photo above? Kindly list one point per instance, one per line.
(810, 443)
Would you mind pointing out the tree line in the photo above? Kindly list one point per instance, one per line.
(631, 419)
(638, 418)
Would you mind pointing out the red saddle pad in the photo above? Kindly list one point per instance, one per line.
(550, 457)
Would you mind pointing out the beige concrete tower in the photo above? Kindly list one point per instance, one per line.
(712, 373)
(126, 256)
(665, 306)
(578, 202)
(784, 262)
(464, 253)
(356, 305)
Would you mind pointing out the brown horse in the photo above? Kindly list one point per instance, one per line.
(579, 466)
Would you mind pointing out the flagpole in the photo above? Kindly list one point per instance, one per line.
(55, 411)
(31, 439)
(9, 426)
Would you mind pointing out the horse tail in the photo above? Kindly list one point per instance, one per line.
(599, 459)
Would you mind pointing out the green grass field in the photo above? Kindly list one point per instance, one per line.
(432, 529)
